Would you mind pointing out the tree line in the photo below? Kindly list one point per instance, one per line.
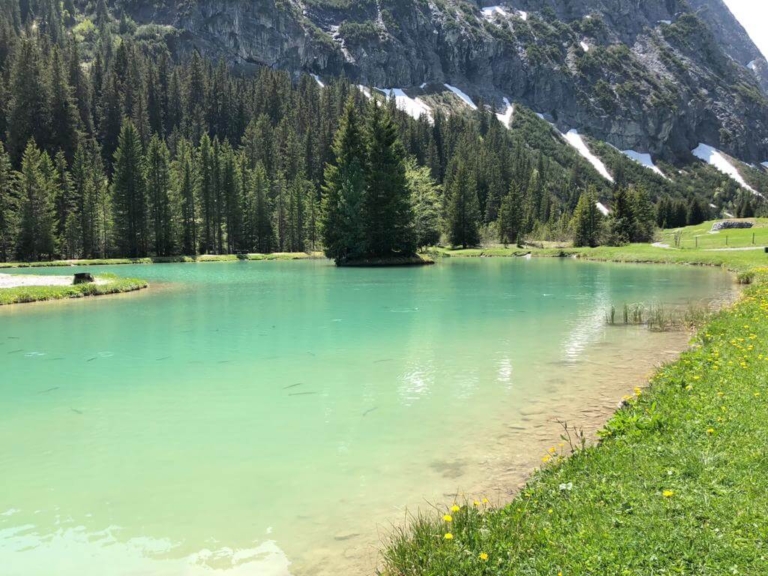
(109, 147)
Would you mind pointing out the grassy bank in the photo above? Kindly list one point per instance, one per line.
(113, 285)
(168, 260)
(735, 260)
(677, 485)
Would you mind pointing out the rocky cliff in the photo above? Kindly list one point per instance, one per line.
(656, 76)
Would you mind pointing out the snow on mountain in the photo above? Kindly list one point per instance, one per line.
(584, 46)
(462, 95)
(574, 139)
(414, 107)
(645, 160)
(490, 12)
(317, 79)
(603, 210)
(506, 117)
(714, 157)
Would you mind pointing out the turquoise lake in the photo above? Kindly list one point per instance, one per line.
(275, 418)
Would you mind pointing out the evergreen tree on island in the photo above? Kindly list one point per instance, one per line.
(343, 234)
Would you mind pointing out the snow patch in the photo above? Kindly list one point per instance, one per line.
(764, 165)
(364, 90)
(713, 206)
(602, 208)
(462, 95)
(667, 22)
(645, 160)
(574, 139)
(752, 65)
(424, 85)
(414, 107)
(490, 12)
(506, 117)
(317, 79)
(716, 158)
(584, 46)
(523, 15)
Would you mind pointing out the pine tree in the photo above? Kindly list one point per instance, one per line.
(64, 116)
(343, 232)
(162, 208)
(78, 83)
(587, 221)
(387, 210)
(623, 220)
(29, 113)
(187, 183)
(129, 195)
(37, 227)
(9, 205)
(463, 209)
(642, 209)
(512, 216)
(208, 195)
(262, 232)
(426, 204)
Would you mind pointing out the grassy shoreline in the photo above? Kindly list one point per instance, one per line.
(28, 294)
(677, 484)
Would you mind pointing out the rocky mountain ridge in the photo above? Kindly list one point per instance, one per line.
(654, 76)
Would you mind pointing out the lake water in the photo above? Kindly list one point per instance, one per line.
(274, 418)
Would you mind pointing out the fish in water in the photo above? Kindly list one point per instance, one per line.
(49, 390)
(76, 411)
(292, 386)
(91, 359)
(15, 351)
(302, 393)
(383, 360)
(370, 410)
(224, 361)
(163, 358)
(13, 337)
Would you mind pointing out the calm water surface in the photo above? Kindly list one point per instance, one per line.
(266, 419)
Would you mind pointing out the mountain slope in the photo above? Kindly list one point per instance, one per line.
(658, 76)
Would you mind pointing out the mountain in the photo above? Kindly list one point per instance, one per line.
(658, 76)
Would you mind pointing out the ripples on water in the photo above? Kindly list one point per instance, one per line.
(269, 418)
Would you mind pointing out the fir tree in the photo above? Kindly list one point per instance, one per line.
(29, 113)
(37, 226)
(587, 221)
(64, 116)
(129, 195)
(463, 209)
(512, 216)
(162, 207)
(9, 205)
(186, 179)
(343, 232)
(387, 210)
(426, 204)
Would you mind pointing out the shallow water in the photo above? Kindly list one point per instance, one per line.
(274, 418)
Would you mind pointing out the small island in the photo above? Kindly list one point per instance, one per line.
(367, 205)
(23, 288)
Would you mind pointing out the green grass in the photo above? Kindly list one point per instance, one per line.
(167, 260)
(701, 236)
(736, 261)
(25, 294)
(678, 483)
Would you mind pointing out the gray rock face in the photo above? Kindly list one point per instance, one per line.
(656, 75)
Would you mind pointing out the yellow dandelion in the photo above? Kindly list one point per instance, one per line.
(668, 493)
(483, 557)
(455, 508)
(485, 500)
(448, 518)
(448, 536)
(638, 391)
(710, 431)
(476, 503)
(552, 450)
(697, 377)
(546, 459)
